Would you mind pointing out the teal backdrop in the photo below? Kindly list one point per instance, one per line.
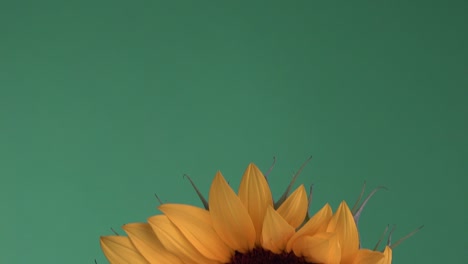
(105, 103)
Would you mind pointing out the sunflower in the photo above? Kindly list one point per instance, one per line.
(245, 228)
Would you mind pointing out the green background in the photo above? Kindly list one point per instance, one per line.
(104, 103)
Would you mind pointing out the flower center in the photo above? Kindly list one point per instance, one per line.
(261, 256)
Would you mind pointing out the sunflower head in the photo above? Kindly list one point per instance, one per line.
(247, 228)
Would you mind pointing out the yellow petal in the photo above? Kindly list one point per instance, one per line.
(387, 256)
(173, 240)
(255, 194)
(275, 232)
(230, 218)
(318, 223)
(366, 256)
(146, 242)
(342, 223)
(119, 250)
(294, 208)
(195, 224)
(320, 248)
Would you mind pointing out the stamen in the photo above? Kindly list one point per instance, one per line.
(406, 237)
(288, 189)
(359, 211)
(117, 234)
(200, 195)
(159, 200)
(270, 169)
(260, 255)
(381, 238)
